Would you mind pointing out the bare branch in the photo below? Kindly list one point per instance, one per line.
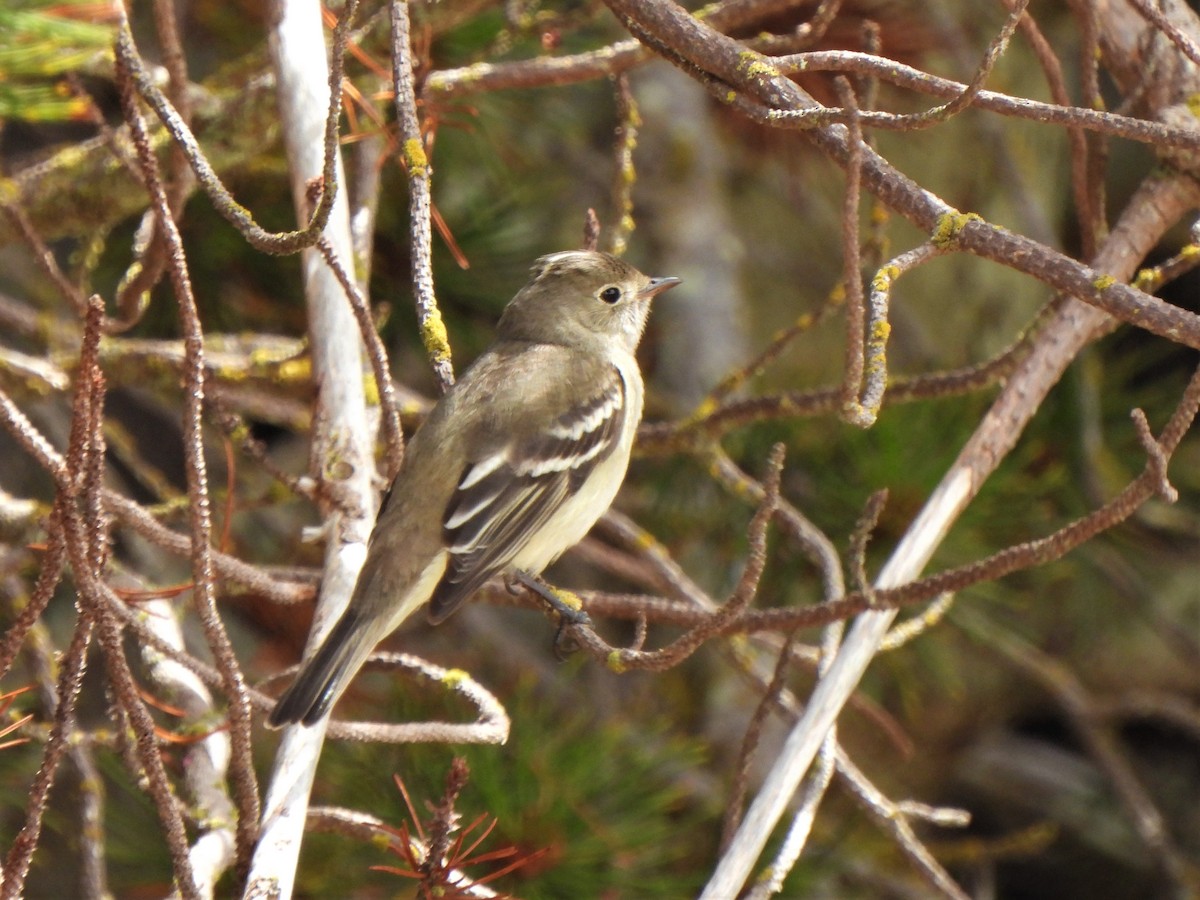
(416, 163)
(204, 597)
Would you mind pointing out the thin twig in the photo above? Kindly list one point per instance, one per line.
(223, 202)
(1154, 15)
(20, 854)
(245, 781)
(852, 365)
(1100, 740)
(894, 817)
(1090, 118)
(377, 354)
(417, 167)
(743, 594)
(624, 172)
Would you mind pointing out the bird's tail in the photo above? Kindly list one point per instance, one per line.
(324, 677)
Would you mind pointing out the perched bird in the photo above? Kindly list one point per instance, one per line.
(513, 465)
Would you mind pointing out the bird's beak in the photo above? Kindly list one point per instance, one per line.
(657, 286)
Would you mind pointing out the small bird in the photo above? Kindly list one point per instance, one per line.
(513, 465)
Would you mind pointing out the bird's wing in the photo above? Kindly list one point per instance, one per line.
(502, 499)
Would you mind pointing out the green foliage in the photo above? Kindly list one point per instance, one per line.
(38, 43)
(608, 797)
(611, 799)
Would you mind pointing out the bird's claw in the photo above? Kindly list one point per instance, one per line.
(568, 615)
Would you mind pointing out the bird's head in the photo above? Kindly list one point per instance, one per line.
(582, 298)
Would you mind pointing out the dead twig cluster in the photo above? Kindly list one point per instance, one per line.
(336, 389)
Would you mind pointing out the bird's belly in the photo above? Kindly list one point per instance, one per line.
(576, 516)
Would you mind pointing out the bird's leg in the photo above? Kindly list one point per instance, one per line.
(566, 604)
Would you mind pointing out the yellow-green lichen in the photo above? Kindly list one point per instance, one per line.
(756, 66)
(706, 408)
(644, 540)
(568, 599)
(805, 321)
(882, 282)
(409, 409)
(1104, 282)
(742, 650)
(435, 338)
(265, 356)
(949, 225)
(880, 333)
(9, 192)
(381, 839)
(470, 75)
(370, 390)
(454, 677)
(615, 662)
(415, 159)
(233, 372)
(240, 433)
(294, 370)
(1148, 279)
(858, 415)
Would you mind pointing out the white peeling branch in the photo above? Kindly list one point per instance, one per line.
(342, 439)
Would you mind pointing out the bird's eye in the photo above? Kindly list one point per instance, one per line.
(610, 294)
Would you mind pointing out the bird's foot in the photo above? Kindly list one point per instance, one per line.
(567, 604)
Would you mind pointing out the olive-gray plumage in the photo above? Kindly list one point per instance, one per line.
(513, 465)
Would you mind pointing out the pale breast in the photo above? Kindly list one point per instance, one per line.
(575, 518)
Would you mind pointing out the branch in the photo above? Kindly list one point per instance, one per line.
(245, 782)
(341, 442)
(992, 440)
(420, 204)
(718, 60)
